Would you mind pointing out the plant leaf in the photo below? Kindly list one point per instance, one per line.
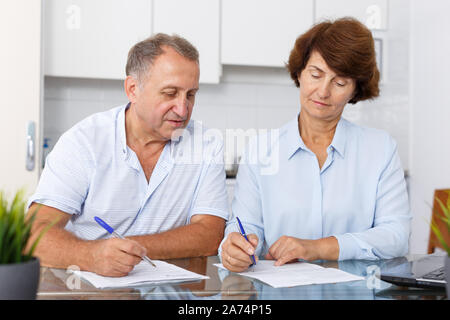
(446, 217)
(13, 230)
(448, 199)
(2, 239)
(438, 234)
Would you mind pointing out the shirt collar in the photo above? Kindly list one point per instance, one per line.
(294, 141)
(121, 130)
(340, 137)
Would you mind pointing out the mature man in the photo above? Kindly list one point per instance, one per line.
(124, 166)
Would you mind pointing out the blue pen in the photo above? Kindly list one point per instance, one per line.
(108, 228)
(241, 229)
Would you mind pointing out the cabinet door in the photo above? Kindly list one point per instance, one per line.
(262, 32)
(91, 39)
(198, 22)
(373, 13)
(20, 89)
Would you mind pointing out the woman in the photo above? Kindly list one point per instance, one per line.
(338, 191)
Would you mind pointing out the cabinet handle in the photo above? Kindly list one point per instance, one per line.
(30, 146)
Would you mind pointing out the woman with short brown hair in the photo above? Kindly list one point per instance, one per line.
(347, 47)
(336, 190)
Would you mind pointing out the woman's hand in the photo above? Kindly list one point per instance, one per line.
(236, 251)
(288, 249)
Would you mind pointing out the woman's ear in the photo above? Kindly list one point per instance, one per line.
(355, 92)
(299, 73)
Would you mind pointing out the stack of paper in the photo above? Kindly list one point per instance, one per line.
(295, 274)
(143, 273)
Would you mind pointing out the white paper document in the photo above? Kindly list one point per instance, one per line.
(295, 274)
(143, 273)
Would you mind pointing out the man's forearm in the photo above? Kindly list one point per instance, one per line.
(193, 240)
(59, 248)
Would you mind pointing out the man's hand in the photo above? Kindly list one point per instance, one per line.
(288, 249)
(60, 248)
(115, 257)
(236, 251)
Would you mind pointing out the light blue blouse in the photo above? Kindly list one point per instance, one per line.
(359, 195)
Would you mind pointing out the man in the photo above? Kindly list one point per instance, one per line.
(123, 165)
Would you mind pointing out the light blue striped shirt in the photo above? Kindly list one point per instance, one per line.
(92, 172)
(359, 195)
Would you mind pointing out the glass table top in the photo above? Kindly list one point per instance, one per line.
(225, 285)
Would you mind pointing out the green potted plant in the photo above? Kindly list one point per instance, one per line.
(19, 270)
(445, 217)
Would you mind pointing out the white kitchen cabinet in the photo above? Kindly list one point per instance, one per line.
(91, 39)
(373, 13)
(20, 89)
(198, 22)
(262, 32)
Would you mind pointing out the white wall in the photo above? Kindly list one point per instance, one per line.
(430, 112)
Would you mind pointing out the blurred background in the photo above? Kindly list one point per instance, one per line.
(62, 60)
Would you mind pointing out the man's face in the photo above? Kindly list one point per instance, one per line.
(164, 99)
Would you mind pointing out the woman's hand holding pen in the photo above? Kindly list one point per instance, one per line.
(237, 252)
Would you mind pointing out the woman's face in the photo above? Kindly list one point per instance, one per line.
(323, 93)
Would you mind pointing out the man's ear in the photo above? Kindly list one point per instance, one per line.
(131, 87)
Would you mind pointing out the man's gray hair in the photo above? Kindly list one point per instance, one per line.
(142, 55)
